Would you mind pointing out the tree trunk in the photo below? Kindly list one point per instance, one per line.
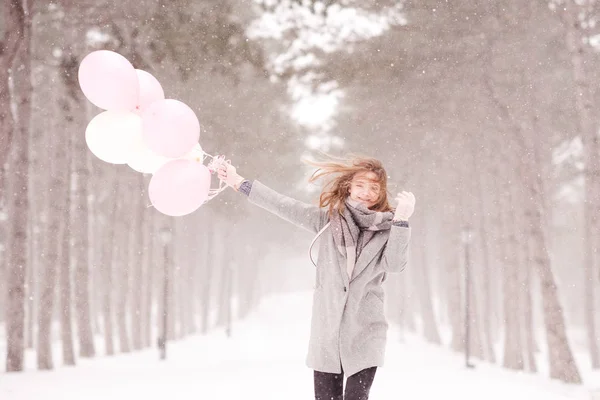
(171, 286)
(561, 361)
(38, 186)
(32, 291)
(97, 216)
(487, 311)
(224, 293)
(400, 305)
(409, 313)
(227, 300)
(78, 225)
(430, 329)
(591, 150)
(191, 284)
(55, 232)
(527, 285)
(137, 262)
(107, 268)
(80, 234)
(207, 266)
(121, 267)
(16, 63)
(454, 303)
(149, 270)
(16, 17)
(179, 303)
(66, 319)
(248, 278)
(184, 281)
(513, 346)
(496, 245)
(472, 268)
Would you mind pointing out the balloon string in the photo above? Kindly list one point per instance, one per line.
(212, 166)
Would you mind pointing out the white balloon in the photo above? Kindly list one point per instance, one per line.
(196, 154)
(111, 135)
(145, 160)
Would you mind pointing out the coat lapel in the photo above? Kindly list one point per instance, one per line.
(369, 252)
(344, 272)
(341, 262)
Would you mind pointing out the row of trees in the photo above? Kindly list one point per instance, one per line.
(475, 102)
(81, 247)
(467, 103)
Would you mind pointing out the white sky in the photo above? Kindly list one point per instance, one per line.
(302, 32)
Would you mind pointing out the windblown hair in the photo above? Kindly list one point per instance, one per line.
(338, 174)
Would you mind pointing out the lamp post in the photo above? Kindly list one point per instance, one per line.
(467, 237)
(165, 238)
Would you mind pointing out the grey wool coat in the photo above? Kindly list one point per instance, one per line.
(349, 327)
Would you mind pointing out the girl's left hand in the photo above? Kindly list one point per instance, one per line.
(228, 174)
(405, 207)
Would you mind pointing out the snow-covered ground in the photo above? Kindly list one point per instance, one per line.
(265, 360)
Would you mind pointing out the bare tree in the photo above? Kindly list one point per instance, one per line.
(15, 29)
(80, 232)
(65, 298)
(149, 263)
(526, 281)
(482, 203)
(16, 63)
(58, 166)
(575, 16)
(108, 257)
(513, 346)
(423, 282)
(207, 267)
(121, 243)
(453, 290)
(138, 260)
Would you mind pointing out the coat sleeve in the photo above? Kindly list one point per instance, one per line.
(395, 254)
(309, 217)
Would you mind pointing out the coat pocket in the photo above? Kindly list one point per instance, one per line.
(378, 296)
(371, 312)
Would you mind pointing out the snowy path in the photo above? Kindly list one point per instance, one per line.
(265, 360)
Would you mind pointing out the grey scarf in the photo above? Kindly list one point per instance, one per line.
(348, 226)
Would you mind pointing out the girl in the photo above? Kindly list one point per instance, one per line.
(362, 239)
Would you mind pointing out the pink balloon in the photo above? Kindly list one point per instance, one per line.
(109, 81)
(150, 90)
(170, 128)
(179, 187)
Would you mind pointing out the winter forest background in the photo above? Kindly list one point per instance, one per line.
(486, 110)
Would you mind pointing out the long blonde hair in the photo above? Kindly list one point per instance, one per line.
(338, 174)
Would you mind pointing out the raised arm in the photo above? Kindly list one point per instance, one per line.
(395, 255)
(309, 217)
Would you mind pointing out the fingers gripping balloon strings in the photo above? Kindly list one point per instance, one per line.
(213, 165)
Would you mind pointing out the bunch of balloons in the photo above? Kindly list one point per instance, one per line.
(149, 133)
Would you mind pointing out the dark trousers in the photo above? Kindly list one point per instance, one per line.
(330, 386)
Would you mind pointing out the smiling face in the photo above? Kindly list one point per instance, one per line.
(365, 188)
